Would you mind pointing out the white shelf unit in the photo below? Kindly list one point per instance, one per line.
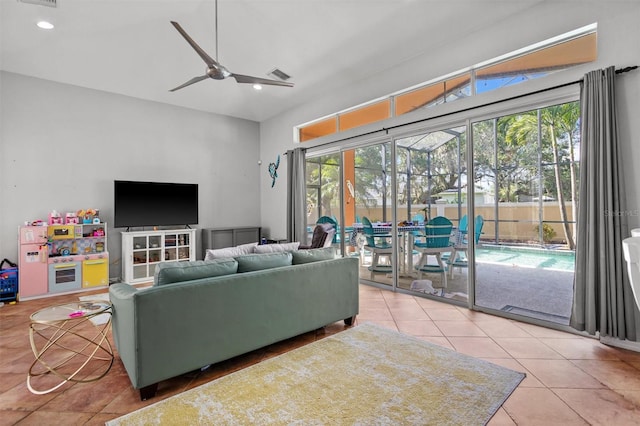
(142, 251)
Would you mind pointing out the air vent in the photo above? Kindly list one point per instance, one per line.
(49, 3)
(279, 74)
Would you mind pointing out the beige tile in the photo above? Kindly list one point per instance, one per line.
(391, 325)
(601, 406)
(628, 355)
(501, 328)
(560, 373)
(373, 303)
(409, 313)
(530, 381)
(583, 348)
(434, 304)
(632, 396)
(523, 347)
(613, 374)
(446, 315)
(480, 347)
(459, 328)
(11, 417)
(374, 314)
(40, 418)
(418, 328)
(501, 418)
(535, 406)
(440, 341)
(538, 331)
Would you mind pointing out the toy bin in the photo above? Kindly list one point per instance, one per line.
(8, 282)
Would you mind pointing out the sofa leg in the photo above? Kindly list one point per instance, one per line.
(148, 392)
(350, 321)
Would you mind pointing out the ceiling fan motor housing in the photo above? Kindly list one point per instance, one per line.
(218, 73)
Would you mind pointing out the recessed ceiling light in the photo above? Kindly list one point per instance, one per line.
(257, 86)
(45, 25)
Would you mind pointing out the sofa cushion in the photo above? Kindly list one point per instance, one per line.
(276, 248)
(174, 272)
(313, 255)
(230, 251)
(257, 262)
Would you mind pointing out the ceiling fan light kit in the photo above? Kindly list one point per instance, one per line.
(217, 71)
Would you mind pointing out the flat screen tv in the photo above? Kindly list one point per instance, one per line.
(154, 204)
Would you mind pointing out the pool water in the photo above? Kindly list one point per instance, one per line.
(527, 258)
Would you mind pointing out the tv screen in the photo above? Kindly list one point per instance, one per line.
(154, 203)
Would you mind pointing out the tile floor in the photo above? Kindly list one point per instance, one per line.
(571, 380)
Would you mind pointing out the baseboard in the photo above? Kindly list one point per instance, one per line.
(624, 344)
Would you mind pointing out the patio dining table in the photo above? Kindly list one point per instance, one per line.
(406, 233)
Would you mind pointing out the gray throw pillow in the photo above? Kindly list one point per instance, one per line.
(174, 272)
(257, 262)
(313, 255)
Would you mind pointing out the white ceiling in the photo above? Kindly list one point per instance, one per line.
(130, 48)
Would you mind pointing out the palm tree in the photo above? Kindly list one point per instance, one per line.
(558, 124)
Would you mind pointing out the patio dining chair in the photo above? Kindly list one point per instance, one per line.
(380, 248)
(459, 254)
(332, 221)
(322, 235)
(436, 242)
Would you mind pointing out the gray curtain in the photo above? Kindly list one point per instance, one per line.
(296, 196)
(603, 300)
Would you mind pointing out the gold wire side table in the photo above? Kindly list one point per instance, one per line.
(65, 341)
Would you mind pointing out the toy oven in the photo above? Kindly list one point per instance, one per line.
(65, 276)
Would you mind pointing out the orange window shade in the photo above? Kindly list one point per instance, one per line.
(365, 115)
(572, 52)
(419, 98)
(457, 83)
(317, 129)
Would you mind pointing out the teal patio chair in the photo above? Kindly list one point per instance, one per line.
(459, 253)
(436, 242)
(379, 246)
(334, 222)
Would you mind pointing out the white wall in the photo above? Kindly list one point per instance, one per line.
(618, 35)
(62, 147)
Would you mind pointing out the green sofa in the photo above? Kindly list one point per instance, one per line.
(203, 312)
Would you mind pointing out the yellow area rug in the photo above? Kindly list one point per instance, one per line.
(365, 375)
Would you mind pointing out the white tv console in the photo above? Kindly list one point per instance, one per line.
(142, 251)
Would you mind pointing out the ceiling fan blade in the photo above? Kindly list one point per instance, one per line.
(190, 82)
(205, 57)
(257, 80)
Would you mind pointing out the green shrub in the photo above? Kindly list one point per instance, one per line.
(547, 232)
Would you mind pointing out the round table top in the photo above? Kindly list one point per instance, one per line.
(69, 311)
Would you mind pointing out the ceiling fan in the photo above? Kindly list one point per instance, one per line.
(216, 70)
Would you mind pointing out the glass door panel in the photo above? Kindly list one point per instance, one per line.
(371, 174)
(323, 194)
(431, 185)
(525, 165)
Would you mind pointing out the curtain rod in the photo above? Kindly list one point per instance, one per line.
(535, 92)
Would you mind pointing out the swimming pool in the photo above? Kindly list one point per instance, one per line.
(527, 257)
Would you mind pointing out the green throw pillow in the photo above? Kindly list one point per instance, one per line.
(174, 272)
(313, 255)
(257, 262)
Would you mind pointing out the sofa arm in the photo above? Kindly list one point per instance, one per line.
(123, 326)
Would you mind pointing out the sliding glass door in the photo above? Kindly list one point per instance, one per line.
(526, 164)
(510, 238)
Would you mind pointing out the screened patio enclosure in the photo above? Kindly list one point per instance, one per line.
(516, 259)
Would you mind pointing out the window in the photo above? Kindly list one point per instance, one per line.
(536, 61)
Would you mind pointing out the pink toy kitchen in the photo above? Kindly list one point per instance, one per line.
(67, 254)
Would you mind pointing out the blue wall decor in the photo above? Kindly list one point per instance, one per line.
(273, 171)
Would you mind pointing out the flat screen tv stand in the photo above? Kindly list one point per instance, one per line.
(142, 251)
